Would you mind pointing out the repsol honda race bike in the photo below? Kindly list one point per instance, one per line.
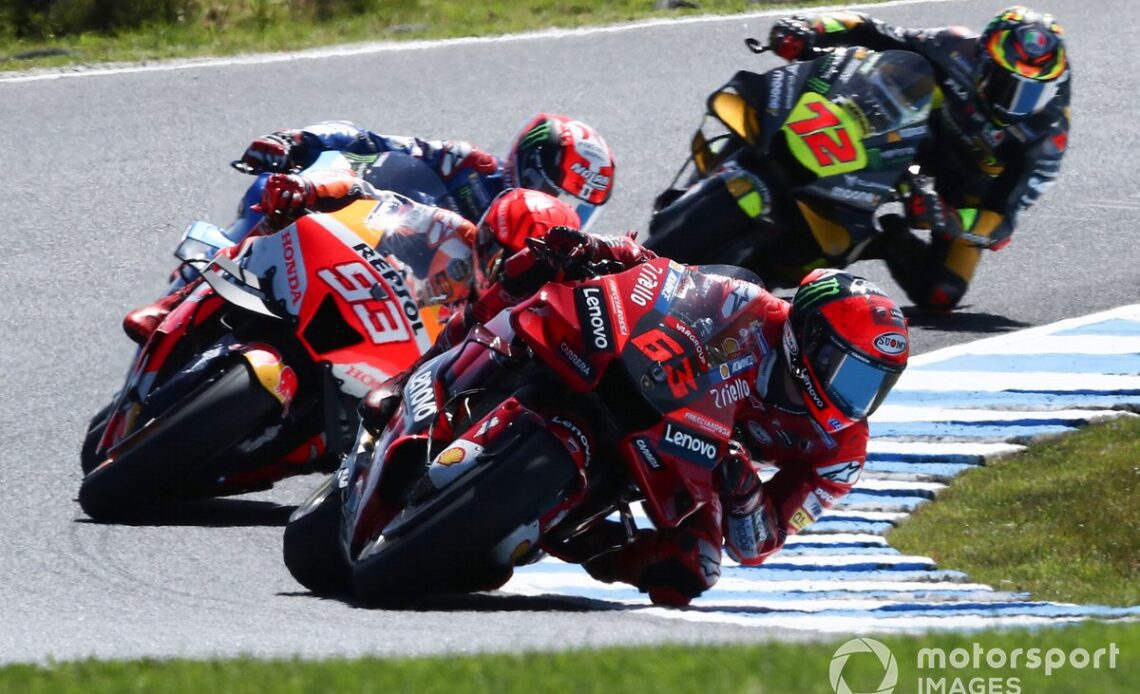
(255, 375)
(800, 167)
(527, 436)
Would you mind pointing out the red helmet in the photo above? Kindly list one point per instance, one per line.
(846, 342)
(514, 216)
(1021, 64)
(565, 158)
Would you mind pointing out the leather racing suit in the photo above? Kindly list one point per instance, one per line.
(988, 172)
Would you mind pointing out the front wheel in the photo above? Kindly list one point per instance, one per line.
(704, 225)
(311, 547)
(173, 448)
(443, 544)
(88, 456)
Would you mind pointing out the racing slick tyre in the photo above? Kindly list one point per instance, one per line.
(158, 460)
(312, 548)
(88, 460)
(433, 547)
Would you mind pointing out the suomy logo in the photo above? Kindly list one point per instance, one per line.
(891, 343)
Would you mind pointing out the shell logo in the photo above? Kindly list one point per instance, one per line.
(452, 456)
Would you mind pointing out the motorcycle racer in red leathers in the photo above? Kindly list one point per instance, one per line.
(1000, 128)
(827, 360)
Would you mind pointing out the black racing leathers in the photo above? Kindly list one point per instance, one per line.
(977, 164)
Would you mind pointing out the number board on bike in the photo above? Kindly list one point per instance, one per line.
(824, 138)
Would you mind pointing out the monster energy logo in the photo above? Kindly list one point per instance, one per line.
(359, 162)
(817, 85)
(535, 136)
(814, 294)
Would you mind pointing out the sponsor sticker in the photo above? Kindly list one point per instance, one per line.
(843, 473)
(890, 343)
(800, 520)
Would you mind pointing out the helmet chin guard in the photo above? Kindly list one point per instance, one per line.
(846, 343)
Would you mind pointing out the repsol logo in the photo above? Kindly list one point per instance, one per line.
(595, 319)
(420, 396)
(395, 280)
(687, 442)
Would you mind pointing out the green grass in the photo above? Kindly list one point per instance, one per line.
(775, 667)
(225, 27)
(1061, 521)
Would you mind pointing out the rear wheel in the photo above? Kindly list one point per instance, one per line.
(312, 548)
(172, 449)
(443, 544)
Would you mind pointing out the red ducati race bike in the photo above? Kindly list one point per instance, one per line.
(526, 437)
(800, 167)
(256, 374)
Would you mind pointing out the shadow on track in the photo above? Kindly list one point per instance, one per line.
(210, 513)
(962, 321)
(493, 601)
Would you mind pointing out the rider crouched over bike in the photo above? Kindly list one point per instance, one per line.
(827, 359)
(999, 134)
(555, 154)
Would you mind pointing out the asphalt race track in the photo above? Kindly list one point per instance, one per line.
(101, 172)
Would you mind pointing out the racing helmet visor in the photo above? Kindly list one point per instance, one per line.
(854, 383)
(1015, 96)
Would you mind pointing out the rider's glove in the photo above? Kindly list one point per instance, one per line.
(286, 195)
(925, 209)
(748, 525)
(571, 248)
(737, 481)
(272, 152)
(793, 38)
(460, 157)
(562, 253)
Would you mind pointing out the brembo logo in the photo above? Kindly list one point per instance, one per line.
(595, 318)
(690, 443)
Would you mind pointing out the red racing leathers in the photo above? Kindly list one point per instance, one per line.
(814, 470)
(752, 520)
